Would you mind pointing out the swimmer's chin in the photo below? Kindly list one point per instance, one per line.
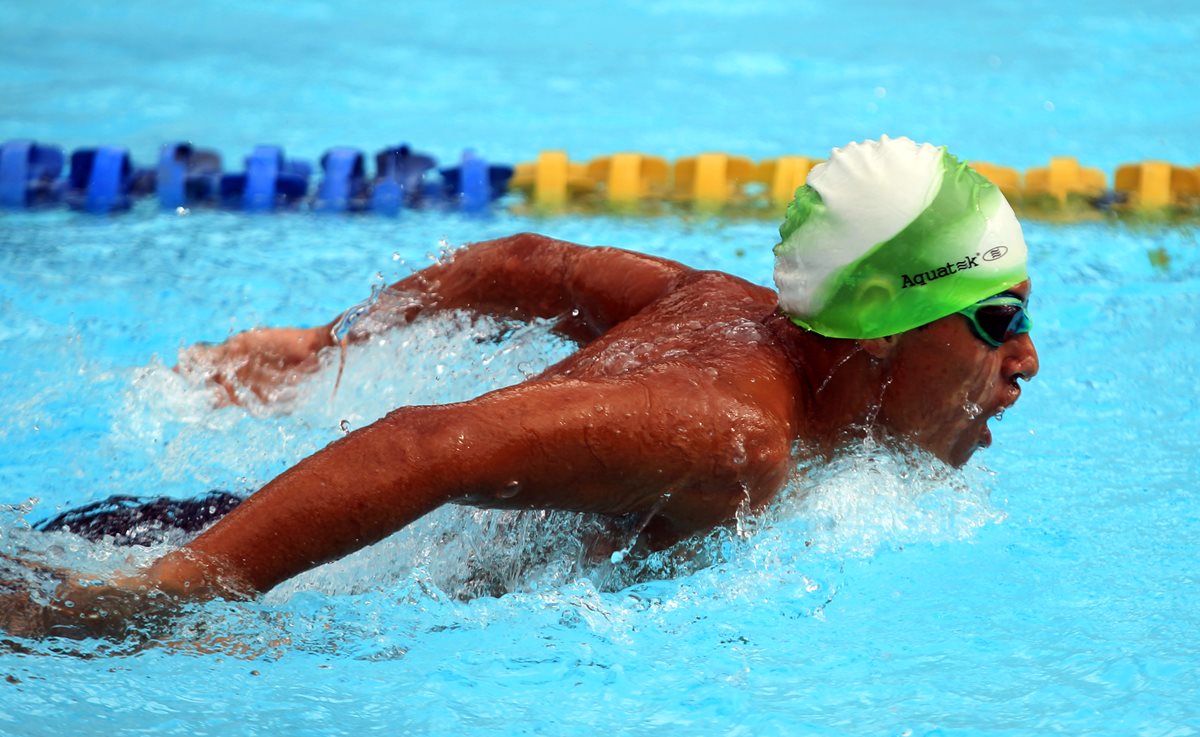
(959, 456)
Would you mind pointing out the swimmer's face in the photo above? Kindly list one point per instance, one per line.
(946, 383)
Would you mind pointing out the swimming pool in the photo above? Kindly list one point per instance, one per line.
(1049, 588)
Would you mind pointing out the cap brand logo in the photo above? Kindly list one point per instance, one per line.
(922, 278)
(995, 253)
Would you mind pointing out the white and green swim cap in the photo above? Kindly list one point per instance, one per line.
(890, 235)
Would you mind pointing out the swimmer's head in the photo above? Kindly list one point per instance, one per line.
(890, 235)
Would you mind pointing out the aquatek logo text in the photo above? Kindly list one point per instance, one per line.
(922, 278)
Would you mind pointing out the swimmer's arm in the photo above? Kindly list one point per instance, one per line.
(528, 276)
(604, 447)
(524, 276)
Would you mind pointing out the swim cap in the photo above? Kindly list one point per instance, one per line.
(890, 235)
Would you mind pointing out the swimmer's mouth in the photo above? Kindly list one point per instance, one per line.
(985, 433)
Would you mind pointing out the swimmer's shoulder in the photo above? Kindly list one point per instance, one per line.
(722, 284)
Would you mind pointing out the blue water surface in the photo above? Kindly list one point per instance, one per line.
(1049, 588)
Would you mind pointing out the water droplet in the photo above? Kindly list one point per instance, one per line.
(182, 211)
(345, 426)
(973, 410)
(395, 255)
(509, 490)
(739, 452)
(617, 556)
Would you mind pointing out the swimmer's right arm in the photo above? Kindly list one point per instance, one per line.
(607, 447)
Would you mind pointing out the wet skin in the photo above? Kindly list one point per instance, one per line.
(684, 402)
(946, 383)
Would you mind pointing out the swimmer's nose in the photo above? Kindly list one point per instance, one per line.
(1022, 361)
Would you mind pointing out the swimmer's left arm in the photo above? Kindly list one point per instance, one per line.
(524, 276)
(260, 360)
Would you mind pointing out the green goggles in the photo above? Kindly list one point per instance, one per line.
(997, 319)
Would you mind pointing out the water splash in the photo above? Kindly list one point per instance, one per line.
(174, 441)
(833, 371)
(877, 405)
(580, 568)
(619, 556)
(340, 331)
(872, 496)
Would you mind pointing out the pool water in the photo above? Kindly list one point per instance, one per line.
(1048, 588)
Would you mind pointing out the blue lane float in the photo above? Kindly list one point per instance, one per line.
(270, 181)
(474, 183)
(104, 179)
(186, 176)
(30, 174)
(344, 186)
(400, 179)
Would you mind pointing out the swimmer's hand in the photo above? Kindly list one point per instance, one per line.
(80, 609)
(123, 607)
(257, 361)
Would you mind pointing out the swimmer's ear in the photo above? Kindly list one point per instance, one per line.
(880, 348)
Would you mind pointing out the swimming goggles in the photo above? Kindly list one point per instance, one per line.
(997, 319)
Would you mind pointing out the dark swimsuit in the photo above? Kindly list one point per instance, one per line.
(132, 520)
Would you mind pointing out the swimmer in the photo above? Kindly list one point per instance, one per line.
(900, 315)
